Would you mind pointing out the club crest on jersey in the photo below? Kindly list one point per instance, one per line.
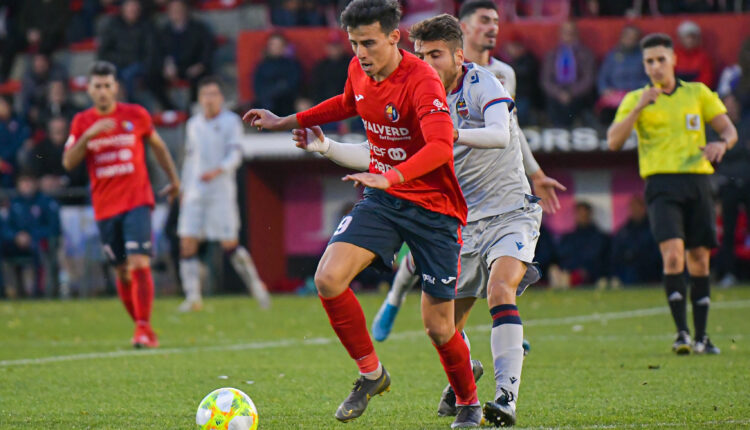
(462, 108)
(391, 113)
(693, 122)
(127, 126)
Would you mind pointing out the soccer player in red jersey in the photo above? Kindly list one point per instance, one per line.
(412, 196)
(109, 137)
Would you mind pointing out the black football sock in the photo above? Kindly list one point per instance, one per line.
(700, 294)
(677, 299)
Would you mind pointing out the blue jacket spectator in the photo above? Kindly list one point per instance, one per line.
(621, 71)
(34, 213)
(39, 74)
(635, 254)
(13, 134)
(277, 78)
(584, 252)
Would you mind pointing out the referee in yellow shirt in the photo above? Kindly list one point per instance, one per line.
(669, 117)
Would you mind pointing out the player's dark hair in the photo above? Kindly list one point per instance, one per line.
(210, 80)
(471, 6)
(656, 39)
(366, 12)
(102, 68)
(584, 205)
(442, 27)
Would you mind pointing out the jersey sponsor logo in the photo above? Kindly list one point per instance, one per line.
(429, 279)
(117, 140)
(125, 154)
(448, 280)
(386, 132)
(519, 245)
(106, 157)
(358, 97)
(462, 108)
(397, 154)
(513, 379)
(114, 170)
(380, 166)
(391, 113)
(693, 122)
(474, 79)
(439, 106)
(128, 126)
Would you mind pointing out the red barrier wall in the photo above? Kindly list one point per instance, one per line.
(722, 33)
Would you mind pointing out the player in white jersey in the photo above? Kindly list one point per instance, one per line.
(208, 209)
(503, 221)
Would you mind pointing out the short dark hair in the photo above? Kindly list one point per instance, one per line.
(366, 12)
(210, 80)
(471, 6)
(656, 39)
(102, 68)
(442, 27)
(581, 204)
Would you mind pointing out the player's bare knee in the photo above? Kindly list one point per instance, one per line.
(440, 332)
(188, 248)
(138, 261)
(500, 292)
(673, 262)
(328, 283)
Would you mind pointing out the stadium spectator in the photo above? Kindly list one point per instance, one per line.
(14, 132)
(733, 176)
(568, 77)
(277, 78)
(184, 50)
(126, 41)
(44, 160)
(584, 252)
(58, 104)
(298, 13)
(34, 223)
(36, 26)
(528, 96)
(546, 252)
(34, 91)
(621, 71)
(693, 61)
(671, 7)
(635, 255)
(5, 239)
(329, 74)
(588, 8)
(732, 76)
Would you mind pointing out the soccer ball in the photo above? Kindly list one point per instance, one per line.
(227, 409)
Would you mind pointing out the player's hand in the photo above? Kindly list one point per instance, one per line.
(372, 180)
(714, 151)
(211, 175)
(310, 139)
(171, 191)
(101, 126)
(649, 96)
(263, 118)
(546, 188)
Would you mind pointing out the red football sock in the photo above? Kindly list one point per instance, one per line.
(143, 294)
(348, 321)
(456, 360)
(125, 291)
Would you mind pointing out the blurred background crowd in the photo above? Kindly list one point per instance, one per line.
(162, 48)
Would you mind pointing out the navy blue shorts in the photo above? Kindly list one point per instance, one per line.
(381, 223)
(126, 234)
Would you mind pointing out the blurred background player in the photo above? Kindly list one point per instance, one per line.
(669, 116)
(109, 136)
(412, 196)
(208, 210)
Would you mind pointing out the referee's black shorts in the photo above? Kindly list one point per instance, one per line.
(680, 206)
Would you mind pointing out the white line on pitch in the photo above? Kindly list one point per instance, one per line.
(643, 425)
(282, 343)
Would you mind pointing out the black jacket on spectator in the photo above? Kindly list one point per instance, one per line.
(277, 84)
(34, 87)
(45, 158)
(585, 248)
(329, 78)
(192, 45)
(635, 254)
(122, 44)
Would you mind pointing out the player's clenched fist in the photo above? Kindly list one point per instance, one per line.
(649, 96)
(311, 139)
(101, 126)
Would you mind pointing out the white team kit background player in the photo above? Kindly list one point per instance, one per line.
(208, 209)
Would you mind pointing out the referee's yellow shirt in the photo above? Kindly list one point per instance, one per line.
(672, 130)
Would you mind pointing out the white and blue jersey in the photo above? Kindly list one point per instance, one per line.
(493, 180)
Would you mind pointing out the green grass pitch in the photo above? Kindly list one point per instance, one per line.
(598, 360)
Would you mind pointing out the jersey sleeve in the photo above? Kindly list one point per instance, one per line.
(233, 155)
(75, 132)
(711, 105)
(491, 92)
(626, 105)
(429, 97)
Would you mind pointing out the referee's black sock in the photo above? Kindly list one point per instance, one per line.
(700, 295)
(677, 298)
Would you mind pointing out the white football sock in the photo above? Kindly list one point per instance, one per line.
(403, 282)
(507, 356)
(375, 374)
(243, 264)
(190, 274)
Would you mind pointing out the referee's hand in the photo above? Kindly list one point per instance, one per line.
(649, 96)
(714, 151)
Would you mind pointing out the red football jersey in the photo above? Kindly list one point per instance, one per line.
(391, 111)
(116, 159)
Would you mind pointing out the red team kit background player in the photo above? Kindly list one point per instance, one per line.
(109, 137)
(412, 196)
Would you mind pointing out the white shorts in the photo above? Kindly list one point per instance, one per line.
(512, 234)
(216, 219)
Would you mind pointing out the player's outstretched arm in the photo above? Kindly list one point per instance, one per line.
(620, 130)
(495, 133)
(76, 153)
(161, 153)
(265, 119)
(351, 155)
